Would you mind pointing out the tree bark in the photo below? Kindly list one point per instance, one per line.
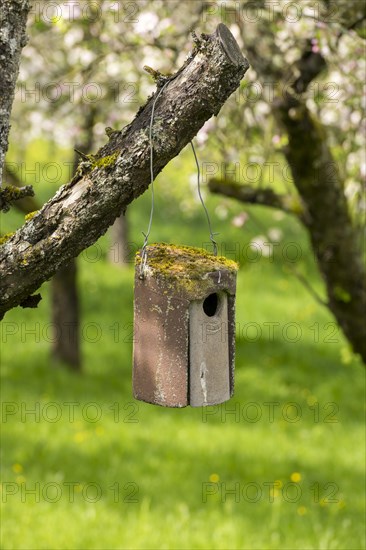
(13, 20)
(82, 210)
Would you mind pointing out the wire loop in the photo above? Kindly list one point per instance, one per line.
(143, 264)
(143, 250)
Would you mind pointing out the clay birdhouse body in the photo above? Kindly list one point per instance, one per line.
(184, 319)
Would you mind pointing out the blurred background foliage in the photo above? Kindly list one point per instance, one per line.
(81, 72)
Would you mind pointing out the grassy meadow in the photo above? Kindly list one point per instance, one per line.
(280, 466)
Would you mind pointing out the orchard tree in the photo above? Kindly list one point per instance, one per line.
(82, 65)
(106, 182)
(299, 59)
(316, 104)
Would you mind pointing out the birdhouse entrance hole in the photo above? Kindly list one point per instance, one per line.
(210, 304)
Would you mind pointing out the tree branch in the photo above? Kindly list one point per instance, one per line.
(25, 204)
(11, 193)
(303, 280)
(264, 196)
(82, 210)
(13, 17)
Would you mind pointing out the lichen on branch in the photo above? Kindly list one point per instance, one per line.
(11, 193)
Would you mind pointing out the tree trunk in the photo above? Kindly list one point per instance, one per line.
(321, 206)
(13, 20)
(335, 241)
(65, 316)
(107, 182)
(64, 289)
(119, 252)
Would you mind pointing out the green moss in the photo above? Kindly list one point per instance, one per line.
(184, 262)
(104, 162)
(5, 237)
(30, 215)
(186, 270)
(11, 192)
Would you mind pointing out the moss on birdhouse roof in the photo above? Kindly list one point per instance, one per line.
(174, 261)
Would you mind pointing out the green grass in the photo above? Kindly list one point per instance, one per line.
(180, 465)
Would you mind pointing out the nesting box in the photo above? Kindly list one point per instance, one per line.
(184, 327)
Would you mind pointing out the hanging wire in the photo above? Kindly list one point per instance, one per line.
(214, 243)
(147, 234)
